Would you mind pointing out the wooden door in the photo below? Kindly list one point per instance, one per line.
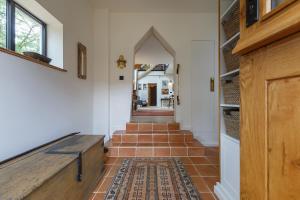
(152, 94)
(270, 122)
(203, 100)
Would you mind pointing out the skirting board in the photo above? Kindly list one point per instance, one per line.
(221, 193)
(116, 128)
(185, 127)
(207, 143)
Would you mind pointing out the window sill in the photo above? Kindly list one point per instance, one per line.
(13, 53)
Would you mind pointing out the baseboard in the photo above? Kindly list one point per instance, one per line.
(222, 193)
(117, 128)
(210, 144)
(106, 139)
(207, 143)
(185, 127)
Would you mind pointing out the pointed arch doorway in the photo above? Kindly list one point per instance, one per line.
(154, 80)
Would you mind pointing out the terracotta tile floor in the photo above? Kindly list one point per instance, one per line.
(153, 119)
(188, 149)
(204, 172)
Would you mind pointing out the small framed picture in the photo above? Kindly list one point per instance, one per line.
(82, 61)
(145, 87)
(139, 86)
(165, 91)
(165, 83)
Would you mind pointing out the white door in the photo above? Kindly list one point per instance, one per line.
(204, 101)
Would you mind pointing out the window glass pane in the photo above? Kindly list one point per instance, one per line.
(275, 3)
(2, 23)
(28, 36)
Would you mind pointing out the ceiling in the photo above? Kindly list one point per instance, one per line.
(160, 6)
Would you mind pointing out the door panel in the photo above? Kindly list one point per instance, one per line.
(203, 100)
(270, 122)
(284, 138)
(152, 94)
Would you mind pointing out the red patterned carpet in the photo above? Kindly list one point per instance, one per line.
(156, 178)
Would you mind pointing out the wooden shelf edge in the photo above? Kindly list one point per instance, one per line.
(233, 38)
(286, 22)
(231, 73)
(13, 53)
(230, 106)
(247, 45)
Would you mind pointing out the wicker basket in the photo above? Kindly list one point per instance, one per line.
(232, 123)
(231, 24)
(231, 90)
(232, 61)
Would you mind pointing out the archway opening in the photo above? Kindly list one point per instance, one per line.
(153, 80)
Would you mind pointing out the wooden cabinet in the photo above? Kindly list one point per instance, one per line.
(270, 104)
(270, 116)
(68, 169)
(272, 26)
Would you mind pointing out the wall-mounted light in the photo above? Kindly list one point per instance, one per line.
(170, 85)
(121, 62)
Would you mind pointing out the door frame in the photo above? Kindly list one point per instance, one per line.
(176, 76)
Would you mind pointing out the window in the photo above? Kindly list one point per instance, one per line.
(20, 30)
(28, 32)
(275, 3)
(3, 23)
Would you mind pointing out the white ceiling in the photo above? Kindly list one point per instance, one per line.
(161, 6)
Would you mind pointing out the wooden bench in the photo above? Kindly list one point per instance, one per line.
(66, 170)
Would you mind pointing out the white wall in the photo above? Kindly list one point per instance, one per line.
(158, 6)
(40, 104)
(126, 29)
(152, 52)
(101, 73)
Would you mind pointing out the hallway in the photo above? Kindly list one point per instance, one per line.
(158, 142)
(204, 172)
(150, 100)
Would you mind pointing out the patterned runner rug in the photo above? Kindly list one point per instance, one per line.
(152, 179)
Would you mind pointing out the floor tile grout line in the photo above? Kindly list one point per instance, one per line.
(101, 184)
(202, 178)
(194, 163)
(94, 195)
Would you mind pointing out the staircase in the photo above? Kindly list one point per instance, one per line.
(154, 140)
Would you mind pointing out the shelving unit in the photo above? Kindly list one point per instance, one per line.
(230, 74)
(228, 8)
(227, 44)
(237, 35)
(229, 106)
(229, 185)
